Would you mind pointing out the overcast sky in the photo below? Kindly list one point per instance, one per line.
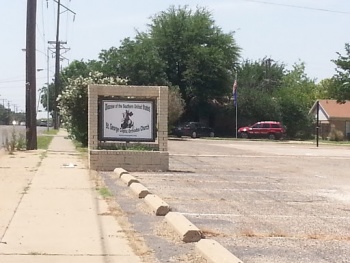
(311, 31)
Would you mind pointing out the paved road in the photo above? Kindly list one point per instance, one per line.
(6, 131)
(264, 201)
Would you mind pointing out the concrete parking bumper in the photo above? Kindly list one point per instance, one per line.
(213, 252)
(187, 231)
(140, 190)
(158, 206)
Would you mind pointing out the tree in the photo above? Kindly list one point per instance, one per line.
(199, 57)
(136, 60)
(257, 83)
(296, 96)
(4, 115)
(327, 89)
(342, 78)
(264, 75)
(181, 48)
(74, 70)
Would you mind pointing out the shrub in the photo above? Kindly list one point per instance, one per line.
(176, 106)
(73, 104)
(336, 135)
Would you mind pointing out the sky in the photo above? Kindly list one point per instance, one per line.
(289, 32)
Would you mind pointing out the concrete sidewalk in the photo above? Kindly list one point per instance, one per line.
(50, 210)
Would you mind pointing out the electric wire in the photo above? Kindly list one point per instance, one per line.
(67, 4)
(300, 7)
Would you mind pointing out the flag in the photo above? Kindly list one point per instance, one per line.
(234, 93)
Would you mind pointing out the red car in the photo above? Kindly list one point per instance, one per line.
(272, 130)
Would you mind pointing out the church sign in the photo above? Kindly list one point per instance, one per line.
(126, 120)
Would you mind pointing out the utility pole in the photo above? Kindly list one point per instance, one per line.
(48, 89)
(31, 135)
(57, 62)
(57, 66)
(8, 112)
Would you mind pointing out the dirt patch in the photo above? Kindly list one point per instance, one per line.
(136, 241)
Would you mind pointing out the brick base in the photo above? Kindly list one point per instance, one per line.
(108, 160)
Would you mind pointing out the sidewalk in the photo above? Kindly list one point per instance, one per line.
(50, 210)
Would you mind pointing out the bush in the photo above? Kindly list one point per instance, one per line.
(336, 135)
(176, 106)
(73, 104)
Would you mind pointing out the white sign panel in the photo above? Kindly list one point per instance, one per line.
(127, 120)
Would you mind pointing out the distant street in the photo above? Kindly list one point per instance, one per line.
(6, 130)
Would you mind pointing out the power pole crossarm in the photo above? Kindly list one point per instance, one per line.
(67, 9)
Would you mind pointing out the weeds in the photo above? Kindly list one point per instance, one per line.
(14, 140)
(104, 192)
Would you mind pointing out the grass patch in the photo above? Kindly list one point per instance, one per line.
(79, 146)
(104, 192)
(50, 132)
(44, 142)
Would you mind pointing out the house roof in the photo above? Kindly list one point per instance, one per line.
(332, 109)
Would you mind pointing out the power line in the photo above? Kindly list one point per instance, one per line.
(43, 23)
(13, 81)
(300, 7)
(58, 43)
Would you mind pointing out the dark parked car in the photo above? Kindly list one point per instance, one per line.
(272, 130)
(193, 129)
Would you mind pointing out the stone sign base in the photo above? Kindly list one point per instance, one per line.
(108, 160)
(100, 158)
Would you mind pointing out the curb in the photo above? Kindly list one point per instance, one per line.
(159, 207)
(187, 231)
(213, 252)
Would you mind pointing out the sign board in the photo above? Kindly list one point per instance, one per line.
(126, 120)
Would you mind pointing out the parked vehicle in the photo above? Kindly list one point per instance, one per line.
(193, 129)
(272, 130)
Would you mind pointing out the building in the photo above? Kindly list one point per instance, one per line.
(332, 114)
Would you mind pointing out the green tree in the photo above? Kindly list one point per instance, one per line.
(342, 77)
(199, 57)
(74, 70)
(182, 48)
(327, 89)
(296, 96)
(257, 83)
(136, 60)
(4, 115)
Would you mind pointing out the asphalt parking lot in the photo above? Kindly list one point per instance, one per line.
(264, 201)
